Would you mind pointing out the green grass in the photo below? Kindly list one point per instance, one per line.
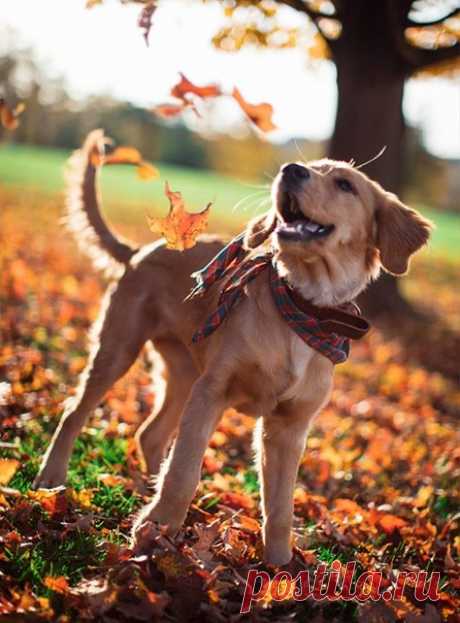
(94, 455)
(69, 557)
(128, 198)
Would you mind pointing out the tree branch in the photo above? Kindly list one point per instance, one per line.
(424, 58)
(434, 22)
(303, 7)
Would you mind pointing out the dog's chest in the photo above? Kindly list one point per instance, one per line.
(298, 359)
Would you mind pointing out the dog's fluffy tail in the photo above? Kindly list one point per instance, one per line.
(83, 208)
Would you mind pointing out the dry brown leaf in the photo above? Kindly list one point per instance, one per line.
(180, 228)
(184, 87)
(126, 155)
(259, 114)
(10, 116)
(8, 469)
(145, 19)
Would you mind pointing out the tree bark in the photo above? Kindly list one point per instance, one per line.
(370, 80)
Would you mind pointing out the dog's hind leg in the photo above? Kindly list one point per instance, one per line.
(176, 372)
(118, 339)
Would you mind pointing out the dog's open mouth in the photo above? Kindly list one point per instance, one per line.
(296, 226)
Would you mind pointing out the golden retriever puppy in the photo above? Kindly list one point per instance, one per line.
(272, 322)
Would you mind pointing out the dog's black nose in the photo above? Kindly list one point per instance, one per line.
(295, 172)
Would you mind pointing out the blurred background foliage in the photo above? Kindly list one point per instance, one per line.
(53, 119)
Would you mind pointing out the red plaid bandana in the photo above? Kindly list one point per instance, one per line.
(310, 328)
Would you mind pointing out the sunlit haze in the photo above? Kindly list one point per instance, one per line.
(101, 51)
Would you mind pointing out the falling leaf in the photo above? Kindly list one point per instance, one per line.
(146, 171)
(126, 155)
(180, 228)
(10, 116)
(184, 87)
(145, 19)
(169, 110)
(8, 469)
(180, 91)
(259, 114)
(57, 584)
(92, 3)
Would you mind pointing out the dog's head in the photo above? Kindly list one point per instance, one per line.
(331, 223)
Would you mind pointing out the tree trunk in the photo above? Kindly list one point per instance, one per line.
(370, 80)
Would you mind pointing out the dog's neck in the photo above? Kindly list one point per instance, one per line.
(325, 280)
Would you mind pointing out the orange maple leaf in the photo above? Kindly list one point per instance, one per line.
(389, 523)
(170, 110)
(259, 114)
(126, 155)
(180, 228)
(180, 91)
(184, 87)
(9, 116)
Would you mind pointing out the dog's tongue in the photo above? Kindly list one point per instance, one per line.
(303, 230)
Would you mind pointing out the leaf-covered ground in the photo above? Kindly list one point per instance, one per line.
(379, 482)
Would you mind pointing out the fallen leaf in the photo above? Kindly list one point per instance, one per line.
(389, 523)
(423, 497)
(8, 469)
(259, 114)
(57, 584)
(82, 498)
(348, 506)
(145, 19)
(184, 87)
(237, 500)
(126, 155)
(53, 501)
(9, 116)
(180, 228)
(248, 524)
(92, 3)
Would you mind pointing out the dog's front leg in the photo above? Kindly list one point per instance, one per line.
(180, 474)
(280, 441)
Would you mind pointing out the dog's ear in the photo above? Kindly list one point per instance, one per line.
(401, 231)
(259, 229)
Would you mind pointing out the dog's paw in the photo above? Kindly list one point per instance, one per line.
(143, 537)
(48, 480)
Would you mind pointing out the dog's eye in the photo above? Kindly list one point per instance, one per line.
(345, 185)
